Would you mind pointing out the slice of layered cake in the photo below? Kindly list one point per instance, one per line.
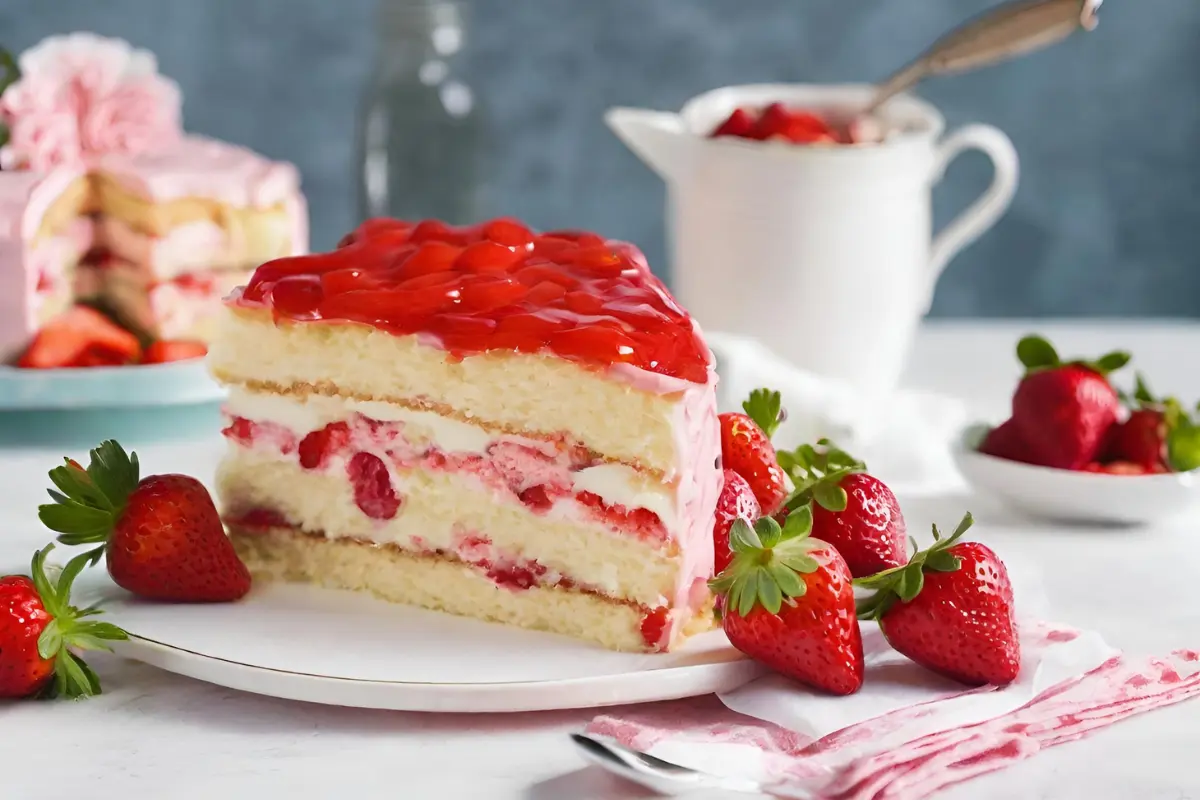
(506, 425)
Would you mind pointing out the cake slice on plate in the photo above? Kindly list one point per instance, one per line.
(506, 425)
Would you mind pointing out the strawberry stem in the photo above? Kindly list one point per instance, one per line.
(817, 473)
(1036, 353)
(768, 563)
(905, 582)
(765, 407)
(68, 629)
(89, 501)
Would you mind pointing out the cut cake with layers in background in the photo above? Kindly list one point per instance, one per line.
(121, 210)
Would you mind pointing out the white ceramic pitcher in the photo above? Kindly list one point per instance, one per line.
(824, 253)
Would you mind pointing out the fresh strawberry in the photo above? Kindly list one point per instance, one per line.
(1063, 410)
(789, 604)
(853, 511)
(746, 447)
(735, 502)
(740, 123)
(40, 629)
(161, 536)
(1140, 440)
(1004, 441)
(164, 351)
(79, 333)
(950, 609)
(1158, 436)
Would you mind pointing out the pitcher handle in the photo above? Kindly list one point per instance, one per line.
(991, 205)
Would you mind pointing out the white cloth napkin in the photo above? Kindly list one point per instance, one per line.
(907, 734)
(905, 439)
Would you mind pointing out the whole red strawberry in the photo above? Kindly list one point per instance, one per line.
(39, 629)
(1063, 411)
(950, 609)
(1140, 440)
(735, 502)
(853, 511)
(161, 536)
(746, 447)
(789, 604)
(1158, 436)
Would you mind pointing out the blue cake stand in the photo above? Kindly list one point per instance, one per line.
(40, 408)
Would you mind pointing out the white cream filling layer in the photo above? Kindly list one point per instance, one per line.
(615, 484)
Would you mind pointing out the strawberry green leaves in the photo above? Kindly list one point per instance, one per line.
(817, 472)
(904, 583)
(1036, 353)
(768, 563)
(765, 407)
(69, 628)
(88, 501)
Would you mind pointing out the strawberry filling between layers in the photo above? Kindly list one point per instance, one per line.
(507, 571)
(545, 476)
(384, 450)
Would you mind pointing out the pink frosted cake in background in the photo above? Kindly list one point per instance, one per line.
(104, 200)
(512, 426)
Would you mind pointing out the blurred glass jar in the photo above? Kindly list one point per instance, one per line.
(420, 131)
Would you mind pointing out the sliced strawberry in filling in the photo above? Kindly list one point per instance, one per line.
(654, 627)
(642, 521)
(373, 491)
(316, 448)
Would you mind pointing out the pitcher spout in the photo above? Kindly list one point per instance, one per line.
(658, 138)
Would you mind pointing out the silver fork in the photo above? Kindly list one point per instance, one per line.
(665, 777)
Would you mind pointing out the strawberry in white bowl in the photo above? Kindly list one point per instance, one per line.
(1078, 448)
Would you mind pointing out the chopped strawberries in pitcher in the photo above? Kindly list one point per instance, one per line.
(778, 122)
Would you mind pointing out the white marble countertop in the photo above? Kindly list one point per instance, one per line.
(153, 734)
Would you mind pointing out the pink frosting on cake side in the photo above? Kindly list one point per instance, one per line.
(698, 442)
(201, 167)
(24, 199)
(699, 435)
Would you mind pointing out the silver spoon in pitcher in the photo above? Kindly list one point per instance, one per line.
(1008, 31)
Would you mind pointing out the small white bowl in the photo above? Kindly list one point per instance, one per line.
(1066, 495)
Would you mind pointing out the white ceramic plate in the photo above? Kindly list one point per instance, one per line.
(341, 648)
(1074, 496)
(177, 383)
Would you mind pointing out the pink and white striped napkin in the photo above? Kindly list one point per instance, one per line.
(908, 734)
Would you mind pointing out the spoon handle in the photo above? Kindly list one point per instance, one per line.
(1011, 30)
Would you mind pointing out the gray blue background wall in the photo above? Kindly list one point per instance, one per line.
(1106, 222)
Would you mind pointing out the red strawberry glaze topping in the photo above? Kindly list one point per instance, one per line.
(493, 286)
